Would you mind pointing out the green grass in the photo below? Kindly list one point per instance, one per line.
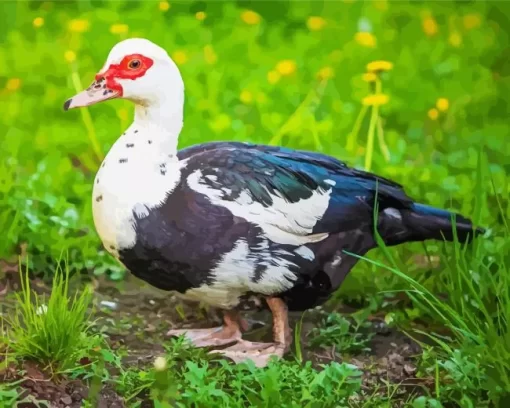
(54, 331)
(283, 78)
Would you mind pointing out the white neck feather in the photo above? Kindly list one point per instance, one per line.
(162, 122)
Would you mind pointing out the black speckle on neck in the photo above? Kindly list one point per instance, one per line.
(112, 247)
(99, 198)
(149, 141)
(97, 181)
(102, 165)
(130, 145)
(163, 172)
(136, 131)
(123, 160)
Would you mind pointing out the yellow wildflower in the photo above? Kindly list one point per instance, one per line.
(376, 100)
(455, 39)
(442, 104)
(378, 66)
(250, 17)
(78, 25)
(365, 39)
(38, 22)
(429, 26)
(200, 16)
(433, 114)
(246, 97)
(209, 55)
(472, 21)
(315, 23)
(13, 84)
(286, 67)
(180, 57)
(119, 29)
(164, 5)
(273, 77)
(326, 73)
(381, 5)
(369, 77)
(70, 56)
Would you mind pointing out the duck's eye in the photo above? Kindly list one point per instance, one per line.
(134, 64)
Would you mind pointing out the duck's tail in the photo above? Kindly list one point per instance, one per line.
(422, 222)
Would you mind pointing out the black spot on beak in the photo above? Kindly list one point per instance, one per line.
(67, 103)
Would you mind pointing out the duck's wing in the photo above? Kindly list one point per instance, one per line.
(316, 158)
(295, 196)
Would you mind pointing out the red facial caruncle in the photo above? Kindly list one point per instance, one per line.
(131, 67)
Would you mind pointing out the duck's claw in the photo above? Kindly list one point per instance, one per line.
(259, 353)
(216, 336)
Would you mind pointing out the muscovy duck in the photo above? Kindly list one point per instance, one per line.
(235, 225)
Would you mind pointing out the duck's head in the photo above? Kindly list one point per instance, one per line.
(136, 69)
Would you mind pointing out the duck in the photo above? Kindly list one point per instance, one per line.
(237, 226)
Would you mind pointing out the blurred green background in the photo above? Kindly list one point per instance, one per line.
(290, 73)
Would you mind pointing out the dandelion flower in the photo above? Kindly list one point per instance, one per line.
(250, 17)
(200, 16)
(455, 39)
(326, 73)
(376, 100)
(160, 363)
(38, 22)
(180, 57)
(78, 25)
(119, 29)
(442, 104)
(369, 77)
(433, 114)
(378, 66)
(210, 55)
(315, 23)
(164, 5)
(365, 39)
(381, 5)
(429, 26)
(471, 21)
(70, 56)
(246, 97)
(273, 77)
(13, 84)
(286, 67)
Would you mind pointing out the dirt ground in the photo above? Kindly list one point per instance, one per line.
(137, 317)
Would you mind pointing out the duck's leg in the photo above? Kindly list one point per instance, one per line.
(230, 332)
(260, 353)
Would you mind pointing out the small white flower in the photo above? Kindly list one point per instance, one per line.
(41, 310)
(160, 363)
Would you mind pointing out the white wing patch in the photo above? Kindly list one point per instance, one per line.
(305, 252)
(282, 222)
(234, 276)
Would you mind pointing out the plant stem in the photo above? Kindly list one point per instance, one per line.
(353, 136)
(87, 119)
(370, 140)
(382, 143)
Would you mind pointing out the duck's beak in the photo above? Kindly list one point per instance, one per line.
(97, 92)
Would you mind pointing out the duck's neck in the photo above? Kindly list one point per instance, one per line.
(160, 124)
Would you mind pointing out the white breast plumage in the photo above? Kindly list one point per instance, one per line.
(134, 178)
